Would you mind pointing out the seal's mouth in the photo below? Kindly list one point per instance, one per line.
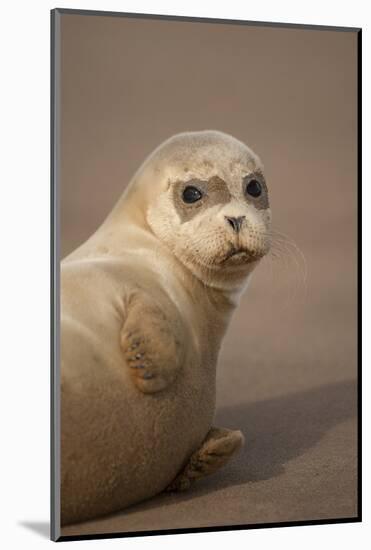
(240, 255)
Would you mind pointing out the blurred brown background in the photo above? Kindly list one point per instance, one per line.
(287, 372)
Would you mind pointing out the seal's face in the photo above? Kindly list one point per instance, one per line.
(213, 210)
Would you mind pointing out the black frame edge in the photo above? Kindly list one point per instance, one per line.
(115, 535)
(359, 268)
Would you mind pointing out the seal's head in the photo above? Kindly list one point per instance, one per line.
(206, 199)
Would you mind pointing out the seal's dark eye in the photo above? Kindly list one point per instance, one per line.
(254, 188)
(191, 194)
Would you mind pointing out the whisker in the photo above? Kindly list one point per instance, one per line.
(290, 242)
(286, 253)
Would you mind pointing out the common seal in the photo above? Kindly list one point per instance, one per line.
(145, 303)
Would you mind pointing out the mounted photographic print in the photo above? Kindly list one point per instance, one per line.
(205, 270)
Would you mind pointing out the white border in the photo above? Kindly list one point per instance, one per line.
(24, 179)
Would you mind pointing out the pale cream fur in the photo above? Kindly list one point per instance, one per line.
(145, 304)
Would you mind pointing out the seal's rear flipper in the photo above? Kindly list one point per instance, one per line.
(216, 450)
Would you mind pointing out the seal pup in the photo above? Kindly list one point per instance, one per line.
(145, 303)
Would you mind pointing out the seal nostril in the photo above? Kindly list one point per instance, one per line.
(235, 223)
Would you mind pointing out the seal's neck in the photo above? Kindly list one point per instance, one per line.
(222, 290)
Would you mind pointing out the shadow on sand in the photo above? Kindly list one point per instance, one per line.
(277, 430)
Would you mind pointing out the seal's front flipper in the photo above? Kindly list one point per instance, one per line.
(151, 343)
(218, 447)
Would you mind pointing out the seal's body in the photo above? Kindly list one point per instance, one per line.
(145, 303)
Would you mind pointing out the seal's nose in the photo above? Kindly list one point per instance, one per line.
(235, 223)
